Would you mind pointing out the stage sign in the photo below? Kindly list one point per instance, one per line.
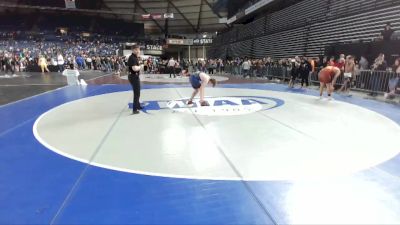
(154, 47)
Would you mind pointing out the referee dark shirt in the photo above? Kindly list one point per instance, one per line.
(135, 81)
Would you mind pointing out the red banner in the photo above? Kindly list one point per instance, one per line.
(157, 16)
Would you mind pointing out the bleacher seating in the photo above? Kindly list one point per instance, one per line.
(252, 29)
(308, 26)
(297, 15)
(364, 26)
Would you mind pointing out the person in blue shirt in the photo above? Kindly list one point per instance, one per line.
(199, 80)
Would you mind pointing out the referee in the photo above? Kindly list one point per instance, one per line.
(134, 71)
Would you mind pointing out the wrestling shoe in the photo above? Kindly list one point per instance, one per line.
(205, 103)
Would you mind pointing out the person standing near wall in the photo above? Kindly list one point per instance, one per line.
(387, 33)
(294, 72)
(349, 74)
(246, 65)
(379, 65)
(305, 69)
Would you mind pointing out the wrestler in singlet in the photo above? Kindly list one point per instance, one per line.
(199, 81)
(195, 80)
(327, 74)
(327, 77)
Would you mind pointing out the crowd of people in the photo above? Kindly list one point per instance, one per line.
(356, 72)
(30, 56)
(45, 56)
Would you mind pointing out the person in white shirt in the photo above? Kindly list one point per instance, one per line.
(171, 67)
(246, 65)
(60, 62)
(89, 62)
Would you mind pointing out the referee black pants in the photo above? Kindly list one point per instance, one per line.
(135, 83)
(172, 71)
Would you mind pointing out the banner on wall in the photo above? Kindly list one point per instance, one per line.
(202, 41)
(157, 16)
(154, 16)
(70, 4)
(168, 15)
(146, 16)
(174, 41)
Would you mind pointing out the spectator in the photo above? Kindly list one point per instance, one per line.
(331, 61)
(349, 74)
(60, 62)
(341, 62)
(210, 66)
(394, 84)
(305, 69)
(246, 65)
(221, 66)
(387, 33)
(364, 65)
(7, 61)
(80, 62)
(379, 66)
(98, 63)
(295, 71)
(324, 63)
(89, 62)
(43, 63)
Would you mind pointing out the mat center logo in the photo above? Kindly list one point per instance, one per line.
(219, 106)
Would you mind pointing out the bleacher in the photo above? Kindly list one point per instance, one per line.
(365, 26)
(279, 45)
(297, 15)
(252, 29)
(308, 26)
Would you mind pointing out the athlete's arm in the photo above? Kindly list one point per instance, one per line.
(338, 72)
(136, 68)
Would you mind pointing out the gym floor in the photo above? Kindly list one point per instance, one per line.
(260, 154)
